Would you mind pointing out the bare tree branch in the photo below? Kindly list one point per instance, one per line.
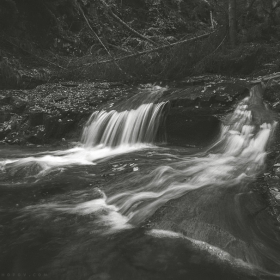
(125, 25)
(39, 57)
(149, 51)
(105, 48)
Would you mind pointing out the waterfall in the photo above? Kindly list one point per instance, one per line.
(187, 209)
(105, 134)
(123, 128)
(240, 151)
(238, 155)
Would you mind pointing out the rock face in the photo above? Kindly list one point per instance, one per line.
(231, 216)
(220, 228)
(196, 110)
(184, 129)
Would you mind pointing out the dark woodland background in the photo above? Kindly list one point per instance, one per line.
(42, 40)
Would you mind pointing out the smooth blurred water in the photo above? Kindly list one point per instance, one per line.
(121, 206)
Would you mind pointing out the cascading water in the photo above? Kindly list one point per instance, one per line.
(196, 209)
(105, 134)
(123, 128)
(237, 156)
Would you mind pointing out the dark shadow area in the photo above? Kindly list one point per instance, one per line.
(191, 130)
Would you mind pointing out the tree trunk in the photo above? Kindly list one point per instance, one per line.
(232, 22)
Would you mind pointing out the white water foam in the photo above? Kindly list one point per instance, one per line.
(106, 134)
(106, 216)
(75, 156)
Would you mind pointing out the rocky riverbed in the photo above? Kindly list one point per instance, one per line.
(54, 114)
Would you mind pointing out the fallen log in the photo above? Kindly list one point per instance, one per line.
(148, 51)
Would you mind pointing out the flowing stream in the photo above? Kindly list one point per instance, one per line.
(123, 205)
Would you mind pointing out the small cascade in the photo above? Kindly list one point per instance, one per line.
(186, 213)
(238, 155)
(124, 128)
(106, 134)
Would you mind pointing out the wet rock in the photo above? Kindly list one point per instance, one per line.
(34, 139)
(36, 135)
(213, 93)
(210, 224)
(183, 102)
(192, 118)
(185, 128)
(259, 111)
(57, 128)
(223, 98)
(205, 101)
(23, 169)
